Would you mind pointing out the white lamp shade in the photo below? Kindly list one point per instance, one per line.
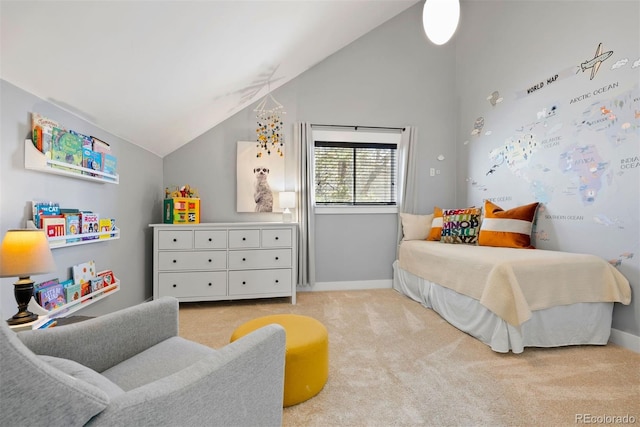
(25, 253)
(440, 19)
(287, 199)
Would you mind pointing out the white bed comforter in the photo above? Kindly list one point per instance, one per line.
(514, 282)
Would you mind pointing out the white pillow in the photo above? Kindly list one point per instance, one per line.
(415, 227)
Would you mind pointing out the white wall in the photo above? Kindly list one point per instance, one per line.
(513, 46)
(133, 202)
(393, 77)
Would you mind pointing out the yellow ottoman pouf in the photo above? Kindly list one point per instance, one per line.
(306, 366)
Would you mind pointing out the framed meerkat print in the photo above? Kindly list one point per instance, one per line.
(260, 177)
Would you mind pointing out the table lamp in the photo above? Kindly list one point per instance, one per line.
(287, 200)
(23, 253)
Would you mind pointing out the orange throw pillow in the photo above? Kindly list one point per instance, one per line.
(509, 229)
(436, 225)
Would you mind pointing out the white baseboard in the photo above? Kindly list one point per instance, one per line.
(625, 339)
(353, 285)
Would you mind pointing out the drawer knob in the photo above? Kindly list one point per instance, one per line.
(175, 240)
(277, 258)
(244, 259)
(244, 238)
(209, 259)
(209, 284)
(277, 237)
(210, 239)
(175, 260)
(277, 281)
(244, 283)
(175, 286)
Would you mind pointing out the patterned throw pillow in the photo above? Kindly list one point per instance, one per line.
(461, 225)
(509, 229)
(436, 225)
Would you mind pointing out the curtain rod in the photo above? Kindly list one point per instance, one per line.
(356, 127)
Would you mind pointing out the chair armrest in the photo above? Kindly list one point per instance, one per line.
(240, 384)
(105, 341)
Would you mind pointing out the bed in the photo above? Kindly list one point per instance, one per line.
(513, 298)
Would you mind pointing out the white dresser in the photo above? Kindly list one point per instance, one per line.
(225, 261)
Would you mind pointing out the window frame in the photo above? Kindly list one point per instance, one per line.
(347, 136)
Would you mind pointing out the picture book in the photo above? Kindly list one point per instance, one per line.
(84, 272)
(52, 297)
(43, 285)
(108, 277)
(91, 160)
(86, 139)
(99, 146)
(89, 223)
(54, 226)
(109, 165)
(66, 148)
(97, 283)
(105, 225)
(71, 290)
(42, 132)
(72, 225)
(43, 208)
(48, 324)
(113, 227)
(85, 289)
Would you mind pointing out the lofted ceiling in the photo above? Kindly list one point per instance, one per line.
(160, 73)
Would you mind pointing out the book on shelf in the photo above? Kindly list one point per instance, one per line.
(72, 225)
(90, 224)
(99, 146)
(97, 283)
(71, 290)
(48, 324)
(86, 139)
(109, 165)
(43, 208)
(105, 225)
(42, 132)
(66, 148)
(108, 277)
(91, 160)
(54, 226)
(84, 273)
(52, 296)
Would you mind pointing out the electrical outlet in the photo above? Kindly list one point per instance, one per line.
(432, 172)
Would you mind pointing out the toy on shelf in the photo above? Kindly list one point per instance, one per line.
(181, 206)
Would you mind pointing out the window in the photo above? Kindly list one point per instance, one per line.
(355, 168)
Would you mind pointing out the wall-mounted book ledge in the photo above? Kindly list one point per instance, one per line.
(35, 160)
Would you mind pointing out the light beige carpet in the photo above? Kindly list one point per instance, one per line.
(393, 362)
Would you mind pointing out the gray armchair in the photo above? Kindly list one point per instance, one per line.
(131, 368)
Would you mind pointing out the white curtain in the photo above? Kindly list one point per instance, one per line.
(303, 141)
(407, 174)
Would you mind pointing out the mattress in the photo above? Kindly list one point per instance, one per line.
(513, 283)
(573, 324)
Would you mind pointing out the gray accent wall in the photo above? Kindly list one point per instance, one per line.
(134, 202)
(571, 142)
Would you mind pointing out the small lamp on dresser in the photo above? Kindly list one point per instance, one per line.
(287, 200)
(24, 253)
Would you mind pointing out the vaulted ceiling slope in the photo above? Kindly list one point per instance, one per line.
(160, 73)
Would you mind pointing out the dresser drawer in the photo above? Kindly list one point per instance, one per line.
(268, 258)
(260, 282)
(196, 260)
(276, 238)
(175, 239)
(239, 239)
(210, 239)
(193, 284)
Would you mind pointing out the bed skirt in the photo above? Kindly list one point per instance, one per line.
(575, 324)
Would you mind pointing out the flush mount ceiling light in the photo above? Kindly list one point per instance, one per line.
(440, 19)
